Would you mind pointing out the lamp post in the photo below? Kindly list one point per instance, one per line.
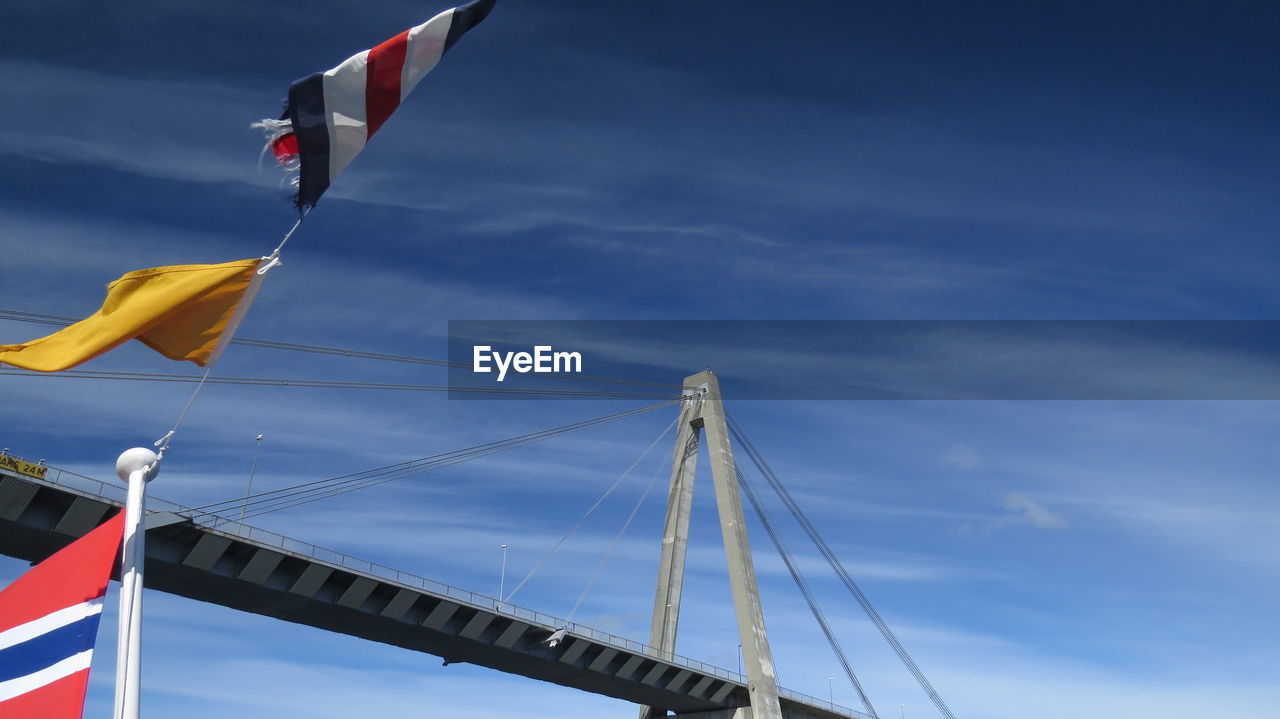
(502, 578)
(252, 469)
(902, 710)
(831, 693)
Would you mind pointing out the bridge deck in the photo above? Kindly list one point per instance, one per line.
(246, 568)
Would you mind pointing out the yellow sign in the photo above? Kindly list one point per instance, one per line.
(21, 466)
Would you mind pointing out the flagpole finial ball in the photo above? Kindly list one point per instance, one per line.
(135, 459)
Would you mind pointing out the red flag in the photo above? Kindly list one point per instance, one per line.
(48, 623)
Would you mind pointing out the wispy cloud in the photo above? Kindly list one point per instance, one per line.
(1019, 511)
(960, 456)
(1025, 510)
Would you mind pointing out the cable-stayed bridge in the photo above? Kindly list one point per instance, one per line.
(253, 570)
(202, 553)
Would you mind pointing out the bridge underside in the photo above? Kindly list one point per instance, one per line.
(38, 517)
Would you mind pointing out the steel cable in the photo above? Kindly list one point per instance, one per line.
(621, 533)
(326, 384)
(589, 511)
(61, 320)
(307, 492)
(838, 568)
(805, 591)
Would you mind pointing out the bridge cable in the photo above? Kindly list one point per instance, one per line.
(589, 511)
(618, 539)
(838, 568)
(377, 476)
(326, 384)
(306, 492)
(803, 586)
(62, 320)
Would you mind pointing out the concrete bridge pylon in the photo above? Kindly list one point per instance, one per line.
(703, 412)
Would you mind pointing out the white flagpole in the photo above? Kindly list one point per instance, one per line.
(136, 466)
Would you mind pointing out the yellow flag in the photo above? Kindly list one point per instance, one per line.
(181, 311)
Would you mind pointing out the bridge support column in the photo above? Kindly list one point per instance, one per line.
(705, 411)
(675, 540)
(675, 534)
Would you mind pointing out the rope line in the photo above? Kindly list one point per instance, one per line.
(163, 443)
(275, 254)
(270, 261)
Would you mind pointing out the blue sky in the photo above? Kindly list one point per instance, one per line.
(661, 160)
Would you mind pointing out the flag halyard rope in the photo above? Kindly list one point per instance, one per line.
(242, 308)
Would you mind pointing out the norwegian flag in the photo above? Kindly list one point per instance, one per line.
(330, 115)
(48, 623)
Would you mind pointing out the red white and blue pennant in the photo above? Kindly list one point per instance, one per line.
(330, 115)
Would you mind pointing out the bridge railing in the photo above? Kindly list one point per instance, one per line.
(99, 489)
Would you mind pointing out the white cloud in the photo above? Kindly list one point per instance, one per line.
(960, 456)
(1025, 510)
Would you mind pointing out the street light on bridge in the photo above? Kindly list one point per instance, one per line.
(502, 577)
(253, 468)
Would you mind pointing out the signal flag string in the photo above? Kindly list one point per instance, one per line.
(242, 308)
